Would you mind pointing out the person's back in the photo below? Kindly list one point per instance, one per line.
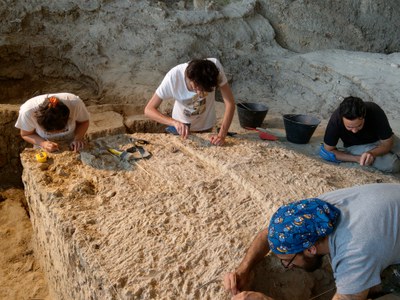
(367, 237)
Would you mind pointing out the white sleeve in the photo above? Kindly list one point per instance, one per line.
(165, 90)
(26, 120)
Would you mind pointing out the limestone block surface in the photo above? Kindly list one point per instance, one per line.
(105, 123)
(169, 226)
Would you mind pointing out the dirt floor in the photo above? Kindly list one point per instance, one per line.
(20, 275)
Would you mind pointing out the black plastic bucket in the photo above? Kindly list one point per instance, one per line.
(251, 114)
(300, 128)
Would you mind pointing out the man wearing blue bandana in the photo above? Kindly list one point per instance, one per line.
(358, 227)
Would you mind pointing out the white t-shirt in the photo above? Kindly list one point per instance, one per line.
(77, 112)
(367, 237)
(188, 106)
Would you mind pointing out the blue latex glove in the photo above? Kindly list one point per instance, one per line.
(172, 130)
(327, 155)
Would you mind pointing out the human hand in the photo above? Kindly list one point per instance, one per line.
(366, 159)
(217, 140)
(250, 296)
(230, 283)
(49, 146)
(235, 282)
(182, 128)
(77, 145)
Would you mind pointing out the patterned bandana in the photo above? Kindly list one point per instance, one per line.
(297, 226)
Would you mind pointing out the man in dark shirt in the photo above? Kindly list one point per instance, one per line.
(366, 134)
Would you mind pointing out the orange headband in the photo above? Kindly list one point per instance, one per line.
(53, 102)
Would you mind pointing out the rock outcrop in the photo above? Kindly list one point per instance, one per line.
(274, 51)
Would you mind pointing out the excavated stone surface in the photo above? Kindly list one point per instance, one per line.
(169, 226)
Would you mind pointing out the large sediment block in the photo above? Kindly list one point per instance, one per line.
(169, 226)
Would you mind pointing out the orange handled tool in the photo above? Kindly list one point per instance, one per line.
(263, 134)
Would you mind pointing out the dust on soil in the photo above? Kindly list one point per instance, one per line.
(193, 209)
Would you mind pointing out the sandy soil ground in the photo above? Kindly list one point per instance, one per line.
(222, 195)
(20, 275)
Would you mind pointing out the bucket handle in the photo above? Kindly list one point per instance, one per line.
(289, 117)
(246, 107)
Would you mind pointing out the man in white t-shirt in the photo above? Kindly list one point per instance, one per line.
(192, 85)
(358, 227)
(45, 119)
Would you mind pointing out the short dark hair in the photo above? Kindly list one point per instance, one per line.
(204, 73)
(352, 108)
(52, 114)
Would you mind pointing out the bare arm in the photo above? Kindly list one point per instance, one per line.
(251, 296)
(360, 296)
(151, 111)
(368, 157)
(238, 281)
(383, 148)
(258, 249)
(80, 131)
(341, 155)
(33, 138)
(229, 101)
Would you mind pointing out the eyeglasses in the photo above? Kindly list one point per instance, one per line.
(285, 264)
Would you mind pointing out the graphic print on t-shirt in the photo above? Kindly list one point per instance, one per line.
(197, 105)
(57, 132)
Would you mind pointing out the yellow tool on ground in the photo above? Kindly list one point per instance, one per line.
(123, 155)
(132, 153)
(41, 157)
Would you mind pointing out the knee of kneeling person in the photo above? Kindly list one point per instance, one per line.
(396, 166)
(387, 164)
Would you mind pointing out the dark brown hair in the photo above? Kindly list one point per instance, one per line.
(352, 108)
(52, 114)
(204, 73)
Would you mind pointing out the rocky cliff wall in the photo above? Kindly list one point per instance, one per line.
(118, 52)
(360, 25)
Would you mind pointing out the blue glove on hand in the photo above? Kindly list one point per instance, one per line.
(172, 130)
(327, 155)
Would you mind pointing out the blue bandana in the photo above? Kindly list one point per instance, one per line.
(297, 226)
